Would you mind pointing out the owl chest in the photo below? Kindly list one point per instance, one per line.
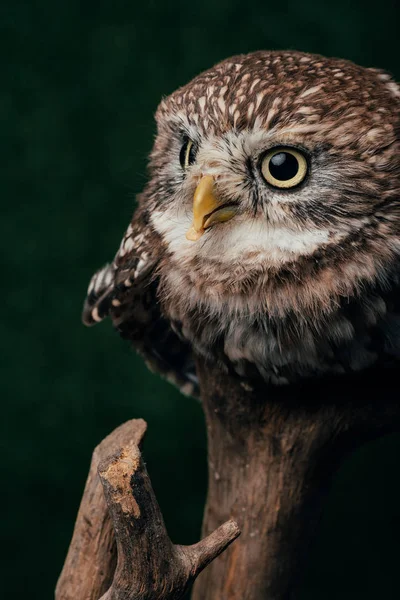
(280, 352)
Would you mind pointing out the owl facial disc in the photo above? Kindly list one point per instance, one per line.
(207, 210)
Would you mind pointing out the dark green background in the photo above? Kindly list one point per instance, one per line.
(80, 82)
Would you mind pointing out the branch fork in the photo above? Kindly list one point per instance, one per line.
(130, 525)
(272, 454)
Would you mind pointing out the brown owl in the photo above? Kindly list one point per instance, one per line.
(268, 236)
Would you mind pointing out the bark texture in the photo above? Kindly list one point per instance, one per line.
(272, 454)
(120, 548)
(150, 566)
(92, 556)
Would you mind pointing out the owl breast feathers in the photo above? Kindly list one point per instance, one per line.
(267, 238)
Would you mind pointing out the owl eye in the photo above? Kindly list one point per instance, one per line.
(284, 167)
(187, 154)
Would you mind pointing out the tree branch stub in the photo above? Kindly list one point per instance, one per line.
(90, 563)
(149, 566)
(272, 454)
(120, 549)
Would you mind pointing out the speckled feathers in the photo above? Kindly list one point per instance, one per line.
(301, 282)
(333, 99)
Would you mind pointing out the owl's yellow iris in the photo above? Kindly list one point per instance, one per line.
(284, 167)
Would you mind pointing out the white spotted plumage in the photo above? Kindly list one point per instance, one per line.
(301, 282)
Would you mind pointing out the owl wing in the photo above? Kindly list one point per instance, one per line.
(132, 267)
(126, 291)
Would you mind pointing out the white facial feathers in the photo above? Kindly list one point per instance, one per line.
(266, 232)
(241, 239)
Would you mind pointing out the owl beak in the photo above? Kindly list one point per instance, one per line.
(207, 210)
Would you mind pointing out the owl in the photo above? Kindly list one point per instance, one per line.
(267, 239)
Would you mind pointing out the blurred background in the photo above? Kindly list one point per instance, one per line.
(80, 82)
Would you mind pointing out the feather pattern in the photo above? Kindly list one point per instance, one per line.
(302, 282)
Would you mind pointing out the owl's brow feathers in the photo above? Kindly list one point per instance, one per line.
(292, 89)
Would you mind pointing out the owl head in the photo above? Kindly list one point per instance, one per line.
(278, 163)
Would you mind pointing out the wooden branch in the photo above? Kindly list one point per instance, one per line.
(149, 566)
(272, 453)
(90, 564)
(126, 521)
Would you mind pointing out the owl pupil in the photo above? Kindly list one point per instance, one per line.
(283, 166)
(187, 154)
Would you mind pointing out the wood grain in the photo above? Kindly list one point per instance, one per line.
(90, 563)
(271, 457)
(120, 548)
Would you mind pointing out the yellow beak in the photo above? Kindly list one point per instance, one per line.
(206, 209)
